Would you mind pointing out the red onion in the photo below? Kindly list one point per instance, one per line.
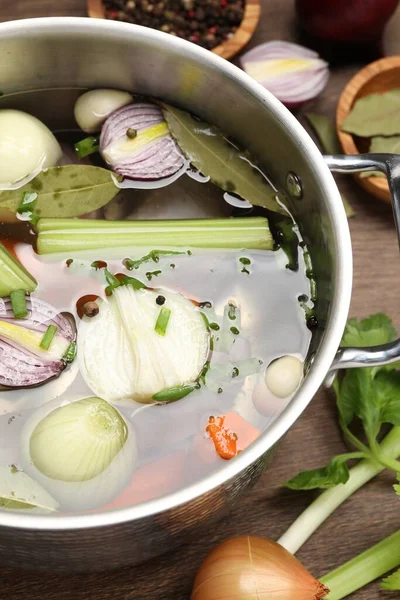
(345, 21)
(18, 366)
(292, 73)
(136, 142)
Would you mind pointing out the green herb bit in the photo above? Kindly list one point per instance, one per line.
(232, 312)
(245, 261)
(162, 321)
(214, 326)
(135, 283)
(18, 304)
(174, 393)
(153, 255)
(244, 270)
(206, 368)
(27, 206)
(235, 372)
(87, 146)
(131, 133)
(151, 274)
(206, 321)
(70, 354)
(112, 281)
(172, 266)
(220, 390)
(235, 330)
(48, 337)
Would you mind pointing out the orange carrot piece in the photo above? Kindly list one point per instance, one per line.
(230, 434)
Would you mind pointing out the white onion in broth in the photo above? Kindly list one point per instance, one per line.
(26, 147)
(121, 355)
(83, 452)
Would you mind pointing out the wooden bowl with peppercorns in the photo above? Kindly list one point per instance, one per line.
(222, 26)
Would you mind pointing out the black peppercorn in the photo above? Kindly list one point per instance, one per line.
(160, 300)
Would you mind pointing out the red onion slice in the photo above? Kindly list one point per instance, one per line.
(157, 159)
(292, 73)
(20, 368)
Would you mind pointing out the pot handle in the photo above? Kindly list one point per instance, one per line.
(389, 164)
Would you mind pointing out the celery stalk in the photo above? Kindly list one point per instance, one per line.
(364, 568)
(13, 276)
(69, 235)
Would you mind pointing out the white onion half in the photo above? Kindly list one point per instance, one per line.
(83, 462)
(19, 492)
(122, 357)
(26, 147)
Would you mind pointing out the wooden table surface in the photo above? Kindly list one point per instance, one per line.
(267, 510)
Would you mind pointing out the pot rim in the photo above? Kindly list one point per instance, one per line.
(340, 304)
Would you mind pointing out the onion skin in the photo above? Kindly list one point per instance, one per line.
(358, 21)
(253, 568)
(18, 367)
(156, 159)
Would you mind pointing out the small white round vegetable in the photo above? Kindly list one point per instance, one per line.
(26, 146)
(93, 108)
(283, 376)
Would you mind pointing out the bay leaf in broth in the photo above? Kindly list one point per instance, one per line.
(65, 192)
(209, 151)
(376, 114)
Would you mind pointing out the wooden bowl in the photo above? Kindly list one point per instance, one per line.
(227, 49)
(376, 78)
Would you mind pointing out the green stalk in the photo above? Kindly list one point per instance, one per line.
(364, 568)
(319, 510)
(13, 276)
(69, 235)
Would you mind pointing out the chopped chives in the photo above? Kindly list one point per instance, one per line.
(27, 206)
(87, 146)
(70, 354)
(162, 321)
(18, 304)
(48, 337)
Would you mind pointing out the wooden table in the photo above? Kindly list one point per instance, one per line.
(268, 510)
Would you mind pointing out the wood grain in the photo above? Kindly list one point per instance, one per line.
(227, 49)
(376, 78)
(370, 514)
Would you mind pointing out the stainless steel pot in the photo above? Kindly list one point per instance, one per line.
(83, 53)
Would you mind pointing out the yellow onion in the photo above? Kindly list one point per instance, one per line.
(253, 568)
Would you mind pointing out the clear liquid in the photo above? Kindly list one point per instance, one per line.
(172, 447)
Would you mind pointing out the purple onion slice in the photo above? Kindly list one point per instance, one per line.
(20, 367)
(135, 141)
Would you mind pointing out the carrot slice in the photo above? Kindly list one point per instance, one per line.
(230, 434)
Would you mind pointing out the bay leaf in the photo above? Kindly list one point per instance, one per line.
(208, 150)
(376, 114)
(383, 144)
(325, 130)
(66, 191)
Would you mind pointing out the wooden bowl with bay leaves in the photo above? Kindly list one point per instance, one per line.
(230, 47)
(376, 78)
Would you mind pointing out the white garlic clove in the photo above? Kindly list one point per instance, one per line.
(26, 147)
(93, 108)
(283, 376)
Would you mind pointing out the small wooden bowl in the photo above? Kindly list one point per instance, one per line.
(227, 49)
(376, 78)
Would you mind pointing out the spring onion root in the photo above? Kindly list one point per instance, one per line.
(70, 235)
(319, 510)
(364, 568)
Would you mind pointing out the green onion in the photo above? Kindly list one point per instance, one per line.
(13, 276)
(70, 235)
(27, 206)
(162, 321)
(48, 337)
(151, 274)
(206, 321)
(18, 304)
(135, 283)
(70, 354)
(89, 145)
(174, 393)
(153, 255)
(112, 281)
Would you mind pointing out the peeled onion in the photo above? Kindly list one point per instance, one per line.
(292, 73)
(252, 568)
(136, 142)
(283, 376)
(26, 147)
(19, 492)
(93, 107)
(83, 452)
(122, 357)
